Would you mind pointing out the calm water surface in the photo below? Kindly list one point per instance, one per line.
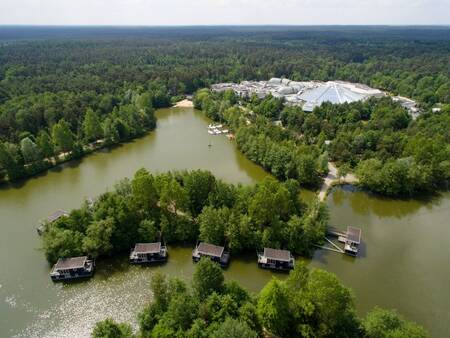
(404, 264)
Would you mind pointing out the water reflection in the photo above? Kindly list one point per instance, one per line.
(364, 203)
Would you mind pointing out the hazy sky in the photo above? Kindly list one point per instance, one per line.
(218, 12)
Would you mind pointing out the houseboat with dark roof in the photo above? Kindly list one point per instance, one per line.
(72, 268)
(276, 259)
(214, 252)
(50, 219)
(146, 253)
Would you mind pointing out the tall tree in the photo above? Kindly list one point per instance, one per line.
(108, 328)
(380, 323)
(30, 151)
(98, 237)
(10, 162)
(273, 308)
(62, 136)
(45, 144)
(92, 127)
(208, 278)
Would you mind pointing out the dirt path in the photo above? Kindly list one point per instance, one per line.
(332, 178)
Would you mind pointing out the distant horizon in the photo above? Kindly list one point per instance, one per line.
(224, 12)
(226, 25)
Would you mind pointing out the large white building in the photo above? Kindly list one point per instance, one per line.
(308, 95)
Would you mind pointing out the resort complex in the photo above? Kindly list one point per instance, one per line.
(311, 94)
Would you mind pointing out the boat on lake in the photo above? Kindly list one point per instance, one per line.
(72, 268)
(214, 252)
(146, 253)
(276, 259)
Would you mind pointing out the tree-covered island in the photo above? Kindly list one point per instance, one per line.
(183, 207)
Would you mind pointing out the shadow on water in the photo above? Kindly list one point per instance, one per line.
(364, 203)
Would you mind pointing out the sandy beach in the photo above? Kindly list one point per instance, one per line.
(184, 104)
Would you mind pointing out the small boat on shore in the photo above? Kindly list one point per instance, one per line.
(215, 126)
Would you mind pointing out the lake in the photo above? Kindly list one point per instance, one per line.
(404, 262)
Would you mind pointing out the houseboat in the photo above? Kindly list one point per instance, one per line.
(146, 253)
(50, 219)
(214, 252)
(276, 259)
(352, 241)
(72, 268)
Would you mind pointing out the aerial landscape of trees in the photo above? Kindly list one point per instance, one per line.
(61, 91)
(309, 303)
(67, 92)
(182, 207)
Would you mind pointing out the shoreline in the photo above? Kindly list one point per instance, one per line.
(333, 179)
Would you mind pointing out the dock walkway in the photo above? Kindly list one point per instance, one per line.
(333, 178)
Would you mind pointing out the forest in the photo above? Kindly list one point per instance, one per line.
(67, 91)
(182, 207)
(390, 152)
(309, 303)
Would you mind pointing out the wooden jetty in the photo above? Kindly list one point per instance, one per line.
(147, 253)
(275, 259)
(72, 268)
(214, 252)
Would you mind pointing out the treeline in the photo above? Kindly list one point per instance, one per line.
(185, 207)
(391, 153)
(413, 62)
(309, 303)
(41, 130)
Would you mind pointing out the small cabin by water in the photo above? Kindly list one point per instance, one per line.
(215, 252)
(144, 253)
(276, 259)
(352, 241)
(50, 219)
(72, 268)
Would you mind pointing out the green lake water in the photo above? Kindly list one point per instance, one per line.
(404, 264)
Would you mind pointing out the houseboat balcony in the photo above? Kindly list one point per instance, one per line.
(351, 249)
(72, 268)
(147, 253)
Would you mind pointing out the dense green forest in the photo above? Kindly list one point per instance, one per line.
(63, 88)
(183, 207)
(391, 153)
(309, 303)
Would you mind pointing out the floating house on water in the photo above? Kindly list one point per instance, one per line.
(72, 268)
(144, 253)
(50, 219)
(351, 241)
(350, 238)
(214, 252)
(276, 259)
